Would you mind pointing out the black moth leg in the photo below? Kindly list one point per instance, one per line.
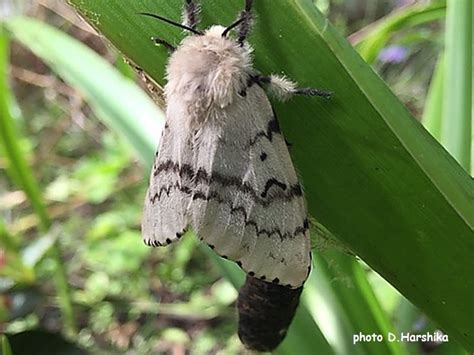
(246, 17)
(191, 14)
(285, 88)
(158, 41)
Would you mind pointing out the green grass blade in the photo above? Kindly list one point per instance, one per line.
(433, 112)
(457, 101)
(372, 174)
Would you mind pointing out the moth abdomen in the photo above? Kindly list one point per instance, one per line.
(265, 312)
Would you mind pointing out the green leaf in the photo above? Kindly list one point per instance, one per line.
(373, 176)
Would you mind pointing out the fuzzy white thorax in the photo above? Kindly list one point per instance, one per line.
(206, 72)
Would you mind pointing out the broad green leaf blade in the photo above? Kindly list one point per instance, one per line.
(444, 198)
(372, 174)
(457, 121)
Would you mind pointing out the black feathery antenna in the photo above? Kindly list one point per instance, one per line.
(191, 12)
(246, 16)
(248, 5)
(244, 21)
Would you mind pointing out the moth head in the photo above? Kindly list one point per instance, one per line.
(211, 67)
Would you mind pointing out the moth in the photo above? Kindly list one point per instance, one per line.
(223, 170)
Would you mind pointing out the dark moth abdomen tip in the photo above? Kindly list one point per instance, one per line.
(265, 313)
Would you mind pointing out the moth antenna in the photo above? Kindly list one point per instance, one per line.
(171, 22)
(246, 16)
(191, 14)
(231, 27)
(248, 5)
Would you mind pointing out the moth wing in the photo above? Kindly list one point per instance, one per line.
(165, 217)
(281, 253)
(251, 207)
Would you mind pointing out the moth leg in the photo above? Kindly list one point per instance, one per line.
(191, 14)
(158, 41)
(283, 88)
(246, 17)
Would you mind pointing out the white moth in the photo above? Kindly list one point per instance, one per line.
(222, 168)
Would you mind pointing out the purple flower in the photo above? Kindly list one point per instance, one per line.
(393, 54)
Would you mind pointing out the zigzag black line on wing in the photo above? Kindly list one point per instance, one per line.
(201, 195)
(233, 209)
(271, 182)
(202, 176)
(272, 127)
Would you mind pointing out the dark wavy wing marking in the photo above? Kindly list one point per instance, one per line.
(272, 182)
(233, 210)
(203, 177)
(272, 127)
(163, 222)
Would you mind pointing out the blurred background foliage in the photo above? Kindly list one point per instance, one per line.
(75, 276)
